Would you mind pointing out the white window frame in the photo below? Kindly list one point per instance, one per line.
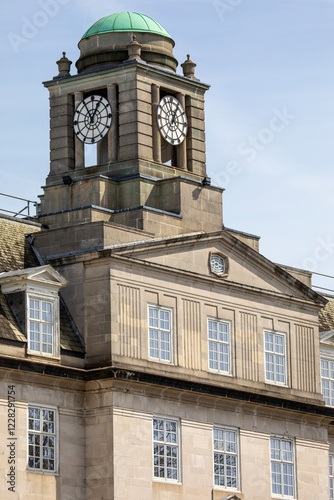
(276, 356)
(281, 461)
(165, 444)
(329, 400)
(161, 331)
(55, 435)
(54, 301)
(219, 344)
(331, 476)
(226, 453)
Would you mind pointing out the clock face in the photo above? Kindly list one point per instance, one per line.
(172, 120)
(92, 119)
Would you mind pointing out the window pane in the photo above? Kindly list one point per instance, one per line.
(276, 478)
(331, 370)
(324, 368)
(153, 317)
(275, 449)
(269, 342)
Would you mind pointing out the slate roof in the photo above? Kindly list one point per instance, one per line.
(16, 253)
(9, 328)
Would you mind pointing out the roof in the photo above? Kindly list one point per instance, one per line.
(9, 328)
(126, 21)
(16, 254)
(15, 251)
(159, 253)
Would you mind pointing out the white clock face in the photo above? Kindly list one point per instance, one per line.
(172, 120)
(92, 119)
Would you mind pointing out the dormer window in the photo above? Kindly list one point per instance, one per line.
(33, 295)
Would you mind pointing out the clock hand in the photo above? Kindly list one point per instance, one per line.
(174, 114)
(88, 111)
(94, 112)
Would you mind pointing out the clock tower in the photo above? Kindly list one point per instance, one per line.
(146, 122)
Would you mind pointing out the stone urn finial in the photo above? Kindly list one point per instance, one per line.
(64, 66)
(134, 50)
(189, 68)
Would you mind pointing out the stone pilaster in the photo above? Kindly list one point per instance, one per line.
(61, 133)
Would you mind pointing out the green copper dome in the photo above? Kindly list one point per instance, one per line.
(108, 40)
(126, 21)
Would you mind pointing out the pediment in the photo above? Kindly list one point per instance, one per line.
(47, 274)
(43, 275)
(245, 266)
(327, 337)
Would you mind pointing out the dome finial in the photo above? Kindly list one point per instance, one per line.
(189, 68)
(64, 66)
(134, 50)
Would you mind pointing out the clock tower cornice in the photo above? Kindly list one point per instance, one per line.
(103, 77)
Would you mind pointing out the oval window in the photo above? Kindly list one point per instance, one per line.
(217, 264)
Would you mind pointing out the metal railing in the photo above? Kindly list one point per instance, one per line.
(29, 211)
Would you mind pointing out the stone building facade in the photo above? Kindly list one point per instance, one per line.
(147, 352)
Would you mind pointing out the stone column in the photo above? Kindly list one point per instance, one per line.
(113, 132)
(196, 135)
(156, 134)
(79, 147)
(181, 150)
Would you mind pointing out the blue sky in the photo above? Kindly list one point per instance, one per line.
(269, 111)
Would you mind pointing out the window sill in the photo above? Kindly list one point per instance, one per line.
(228, 490)
(163, 362)
(277, 384)
(43, 357)
(217, 372)
(281, 497)
(44, 472)
(167, 481)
